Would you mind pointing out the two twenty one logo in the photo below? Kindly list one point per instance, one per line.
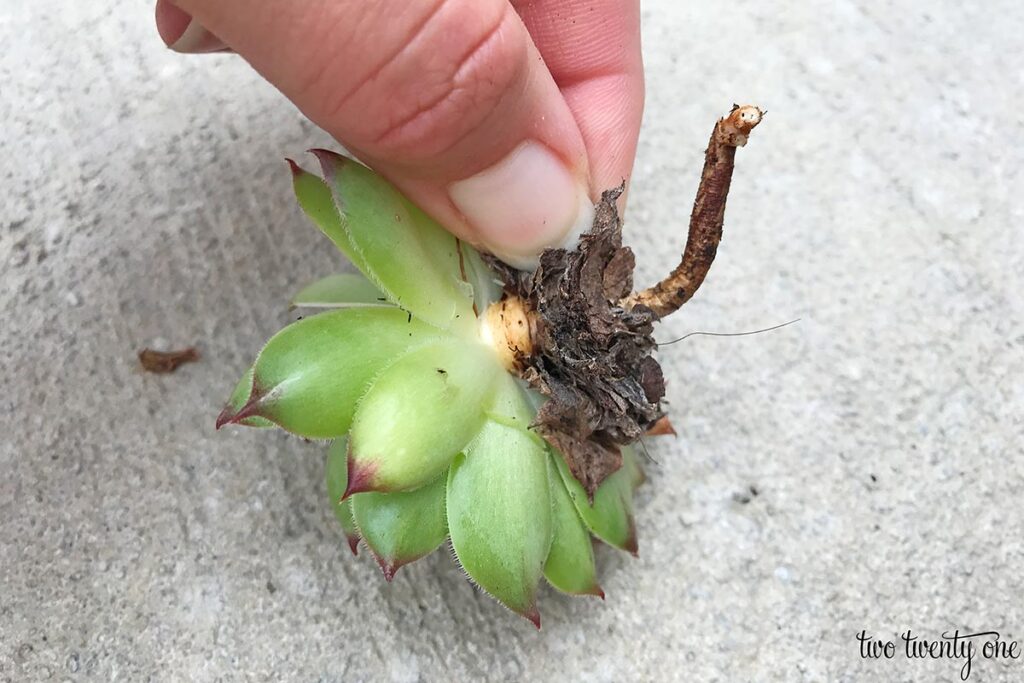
(953, 646)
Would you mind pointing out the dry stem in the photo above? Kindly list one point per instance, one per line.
(707, 217)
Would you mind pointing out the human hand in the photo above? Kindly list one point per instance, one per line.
(503, 120)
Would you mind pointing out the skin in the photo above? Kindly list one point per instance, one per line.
(431, 92)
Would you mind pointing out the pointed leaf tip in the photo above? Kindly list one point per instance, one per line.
(360, 477)
(337, 476)
(229, 416)
(401, 527)
(247, 404)
(329, 161)
(533, 615)
(240, 398)
(388, 568)
(225, 416)
(321, 152)
(295, 168)
(251, 409)
(353, 544)
(631, 545)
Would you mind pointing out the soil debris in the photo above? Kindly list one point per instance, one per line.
(591, 356)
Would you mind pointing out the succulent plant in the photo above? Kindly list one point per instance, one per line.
(414, 371)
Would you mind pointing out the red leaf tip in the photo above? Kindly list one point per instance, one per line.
(225, 416)
(250, 409)
(360, 477)
(321, 153)
(329, 161)
(388, 568)
(631, 544)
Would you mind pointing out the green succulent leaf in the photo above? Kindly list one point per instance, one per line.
(499, 515)
(443, 246)
(631, 463)
(337, 482)
(460, 260)
(418, 414)
(310, 375)
(610, 516)
(402, 527)
(403, 251)
(510, 407)
(570, 564)
(317, 203)
(344, 290)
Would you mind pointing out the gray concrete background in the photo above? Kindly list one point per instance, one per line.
(145, 202)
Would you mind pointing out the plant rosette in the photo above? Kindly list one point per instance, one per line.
(469, 402)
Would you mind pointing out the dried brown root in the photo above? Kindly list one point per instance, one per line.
(572, 330)
(707, 217)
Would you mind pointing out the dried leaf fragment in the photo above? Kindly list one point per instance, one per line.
(163, 362)
(663, 427)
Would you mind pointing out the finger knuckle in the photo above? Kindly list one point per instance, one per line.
(442, 86)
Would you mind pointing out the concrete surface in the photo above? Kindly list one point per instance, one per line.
(145, 203)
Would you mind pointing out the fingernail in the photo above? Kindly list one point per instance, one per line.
(181, 33)
(527, 201)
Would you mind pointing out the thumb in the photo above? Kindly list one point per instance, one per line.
(449, 99)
